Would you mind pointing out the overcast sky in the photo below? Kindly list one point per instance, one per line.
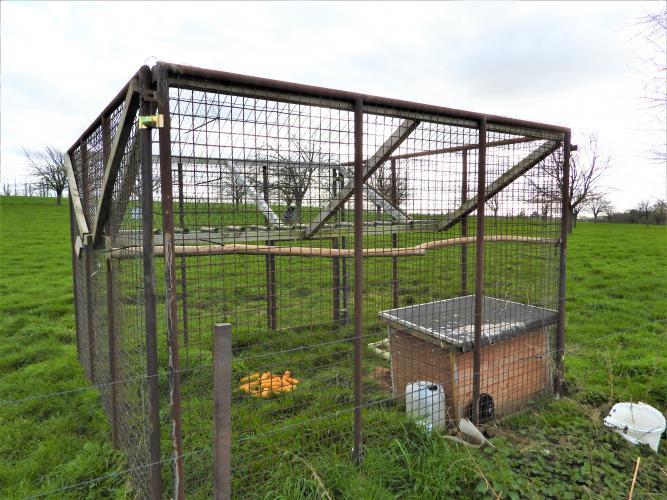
(572, 63)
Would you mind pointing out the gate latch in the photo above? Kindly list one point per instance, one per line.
(151, 121)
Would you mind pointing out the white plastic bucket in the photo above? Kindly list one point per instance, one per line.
(425, 401)
(637, 422)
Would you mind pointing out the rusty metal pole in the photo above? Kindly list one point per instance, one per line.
(222, 401)
(335, 262)
(271, 309)
(149, 295)
(166, 191)
(464, 224)
(479, 273)
(111, 303)
(184, 276)
(394, 237)
(335, 282)
(565, 213)
(345, 285)
(358, 270)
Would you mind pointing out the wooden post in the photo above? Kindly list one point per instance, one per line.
(222, 400)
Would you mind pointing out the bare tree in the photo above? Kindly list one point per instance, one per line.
(48, 166)
(493, 205)
(293, 168)
(6, 189)
(383, 183)
(232, 186)
(608, 210)
(652, 29)
(660, 212)
(587, 166)
(597, 205)
(644, 209)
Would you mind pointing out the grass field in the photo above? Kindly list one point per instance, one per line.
(616, 333)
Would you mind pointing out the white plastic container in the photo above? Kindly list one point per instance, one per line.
(637, 422)
(425, 401)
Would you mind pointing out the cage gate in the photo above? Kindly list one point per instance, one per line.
(365, 251)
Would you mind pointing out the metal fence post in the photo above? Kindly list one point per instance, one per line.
(335, 282)
(564, 223)
(358, 270)
(90, 318)
(75, 285)
(270, 260)
(166, 191)
(464, 223)
(111, 303)
(394, 237)
(222, 400)
(146, 145)
(479, 272)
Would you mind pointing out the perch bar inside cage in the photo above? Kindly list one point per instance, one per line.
(297, 251)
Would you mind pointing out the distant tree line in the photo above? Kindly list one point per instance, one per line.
(15, 188)
(646, 212)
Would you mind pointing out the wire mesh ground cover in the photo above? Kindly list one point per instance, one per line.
(255, 186)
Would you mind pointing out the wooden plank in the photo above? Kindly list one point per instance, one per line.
(298, 251)
(123, 130)
(374, 162)
(76, 199)
(469, 206)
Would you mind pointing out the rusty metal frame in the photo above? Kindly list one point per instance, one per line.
(164, 76)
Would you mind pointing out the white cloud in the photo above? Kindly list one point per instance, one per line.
(566, 63)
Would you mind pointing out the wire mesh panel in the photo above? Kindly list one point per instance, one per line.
(109, 292)
(457, 231)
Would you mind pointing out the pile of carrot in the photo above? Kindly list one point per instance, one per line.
(265, 384)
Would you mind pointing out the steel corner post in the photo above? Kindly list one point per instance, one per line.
(166, 191)
(564, 223)
(358, 270)
(222, 401)
(479, 272)
(146, 146)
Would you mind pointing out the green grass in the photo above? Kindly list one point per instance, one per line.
(616, 333)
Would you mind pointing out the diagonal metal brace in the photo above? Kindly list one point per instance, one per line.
(76, 198)
(115, 156)
(374, 162)
(520, 168)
